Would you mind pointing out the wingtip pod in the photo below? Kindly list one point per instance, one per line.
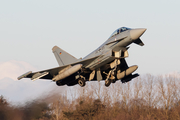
(24, 75)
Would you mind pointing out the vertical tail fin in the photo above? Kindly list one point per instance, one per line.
(62, 57)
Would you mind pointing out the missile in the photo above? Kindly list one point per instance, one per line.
(39, 75)
(126, 72)
(24, 75)
(67, 72)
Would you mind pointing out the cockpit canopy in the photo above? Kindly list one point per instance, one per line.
(120, 30)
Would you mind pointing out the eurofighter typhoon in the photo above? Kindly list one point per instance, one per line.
(107, 62)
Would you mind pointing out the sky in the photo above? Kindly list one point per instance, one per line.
(29, 30)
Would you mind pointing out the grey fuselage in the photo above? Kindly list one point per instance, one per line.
(115, 43)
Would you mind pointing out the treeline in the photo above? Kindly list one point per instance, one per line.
(31, 111)
(144, 98)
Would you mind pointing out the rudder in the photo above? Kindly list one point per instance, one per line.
(62, 57)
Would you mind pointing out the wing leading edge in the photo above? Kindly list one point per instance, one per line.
(51, 73)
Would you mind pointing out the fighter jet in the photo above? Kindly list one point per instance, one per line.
(106, 63)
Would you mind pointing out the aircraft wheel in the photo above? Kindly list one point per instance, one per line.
(113, 81)
(107, 83)
(59, 83)
(81, 82)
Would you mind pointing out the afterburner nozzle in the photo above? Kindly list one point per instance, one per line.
(136, 33)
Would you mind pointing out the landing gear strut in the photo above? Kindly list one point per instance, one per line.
(110, 76)
(108, 81)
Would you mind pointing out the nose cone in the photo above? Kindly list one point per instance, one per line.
(136, 33)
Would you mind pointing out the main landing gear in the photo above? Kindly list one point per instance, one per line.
(110, 78)
(107, 82)
(81, 82)
(111, 75)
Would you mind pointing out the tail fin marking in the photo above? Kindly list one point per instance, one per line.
(62, 57)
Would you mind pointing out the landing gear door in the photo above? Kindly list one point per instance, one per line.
(121, 54)
(126, 54)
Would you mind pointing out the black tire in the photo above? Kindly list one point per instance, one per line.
(107, 83)
(81, 82)
(59, 83)
(113, 81)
